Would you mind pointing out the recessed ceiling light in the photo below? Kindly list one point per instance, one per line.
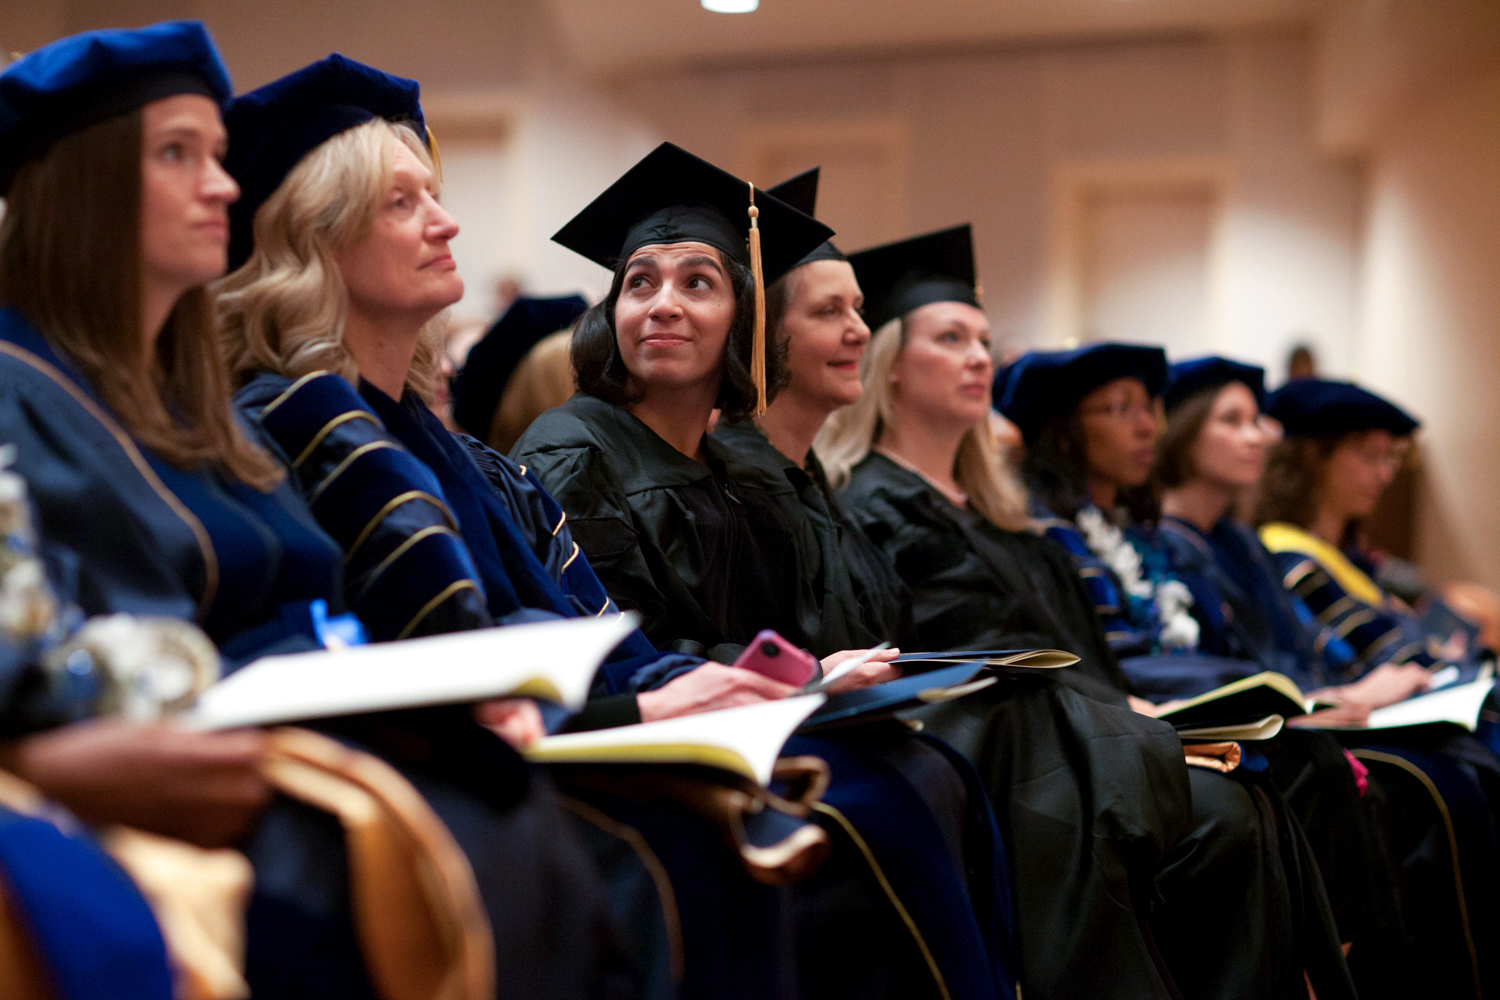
(730, 6)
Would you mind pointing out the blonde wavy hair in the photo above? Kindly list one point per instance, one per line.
(284, 309)
(852, 432)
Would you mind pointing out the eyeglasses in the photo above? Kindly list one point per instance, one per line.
(1123, 410)
(1392, 457)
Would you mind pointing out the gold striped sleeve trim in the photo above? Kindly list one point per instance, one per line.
(570, 560)
(388, 507)
(401, 550)
(433, 604)
(1353, 622)
(128, 445)
(342, 467)
(1338, 607)
(327, 429)
(1442, 807)
(1296, 573)
(1392, 636)
(1407, 651)
(289, 390)
(890, 893)
(560, 522)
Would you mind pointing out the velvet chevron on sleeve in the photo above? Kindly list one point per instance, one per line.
(1357, 629)
(407, 570)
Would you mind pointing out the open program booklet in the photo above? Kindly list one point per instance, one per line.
(552, 660)
(746, 740)
(1252, 702)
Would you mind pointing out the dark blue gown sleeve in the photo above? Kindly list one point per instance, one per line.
(407, 572)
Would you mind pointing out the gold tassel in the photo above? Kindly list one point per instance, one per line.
(758, 343)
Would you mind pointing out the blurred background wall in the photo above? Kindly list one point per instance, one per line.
(1234, 176)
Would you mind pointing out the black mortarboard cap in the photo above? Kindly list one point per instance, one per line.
(1041, 385)
(672, 196)
(899, 277)
(1188, 378)
(481, 383)
(273, 127)
(801, 192)
(1321, 406)
(82, 80)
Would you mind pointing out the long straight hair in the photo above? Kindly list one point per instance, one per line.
(852, 432)
(70, 262)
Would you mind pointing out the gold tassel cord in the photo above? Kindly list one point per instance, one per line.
(758, 343)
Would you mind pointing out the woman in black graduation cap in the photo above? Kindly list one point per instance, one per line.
(924, 483)
(701, 545)
(325, 321)
(813, 316)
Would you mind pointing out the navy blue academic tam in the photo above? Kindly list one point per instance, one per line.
(273, 127)
(1041, 385)
(82, 80)
(486, 373)
(1321, 406)
(1188, 378)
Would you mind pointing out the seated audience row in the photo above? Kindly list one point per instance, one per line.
(252, 454)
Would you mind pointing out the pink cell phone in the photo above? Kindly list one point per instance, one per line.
(772, 656)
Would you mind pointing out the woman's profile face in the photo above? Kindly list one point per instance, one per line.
(1358, 471)
(826, 335)
(1119, 432)
(673, 315)
(403, 268)
(1230, 449)
(185, 193)
(942, 374)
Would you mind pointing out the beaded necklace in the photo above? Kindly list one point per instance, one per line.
(956, 497)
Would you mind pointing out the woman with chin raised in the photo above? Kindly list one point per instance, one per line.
(925, 482)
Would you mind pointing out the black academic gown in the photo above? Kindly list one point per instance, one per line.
(1237, 856)
(862, 602)
(126, 532)
(861, 599)
(710, 553)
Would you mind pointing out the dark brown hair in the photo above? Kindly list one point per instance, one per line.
(1174, 448)
(600, 370)
(70, 263)
(1056, 472)
(1294, 473)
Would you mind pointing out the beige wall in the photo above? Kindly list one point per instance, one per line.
(989, 134)
(1429, 330)
(1354, 172)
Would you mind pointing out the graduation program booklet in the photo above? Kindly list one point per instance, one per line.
(1249, 700)
(1458, 704)
(551, 660)
(745, 740)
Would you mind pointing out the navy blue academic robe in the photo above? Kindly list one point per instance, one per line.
(123, 531)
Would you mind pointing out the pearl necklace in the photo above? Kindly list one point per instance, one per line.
(956, 497)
